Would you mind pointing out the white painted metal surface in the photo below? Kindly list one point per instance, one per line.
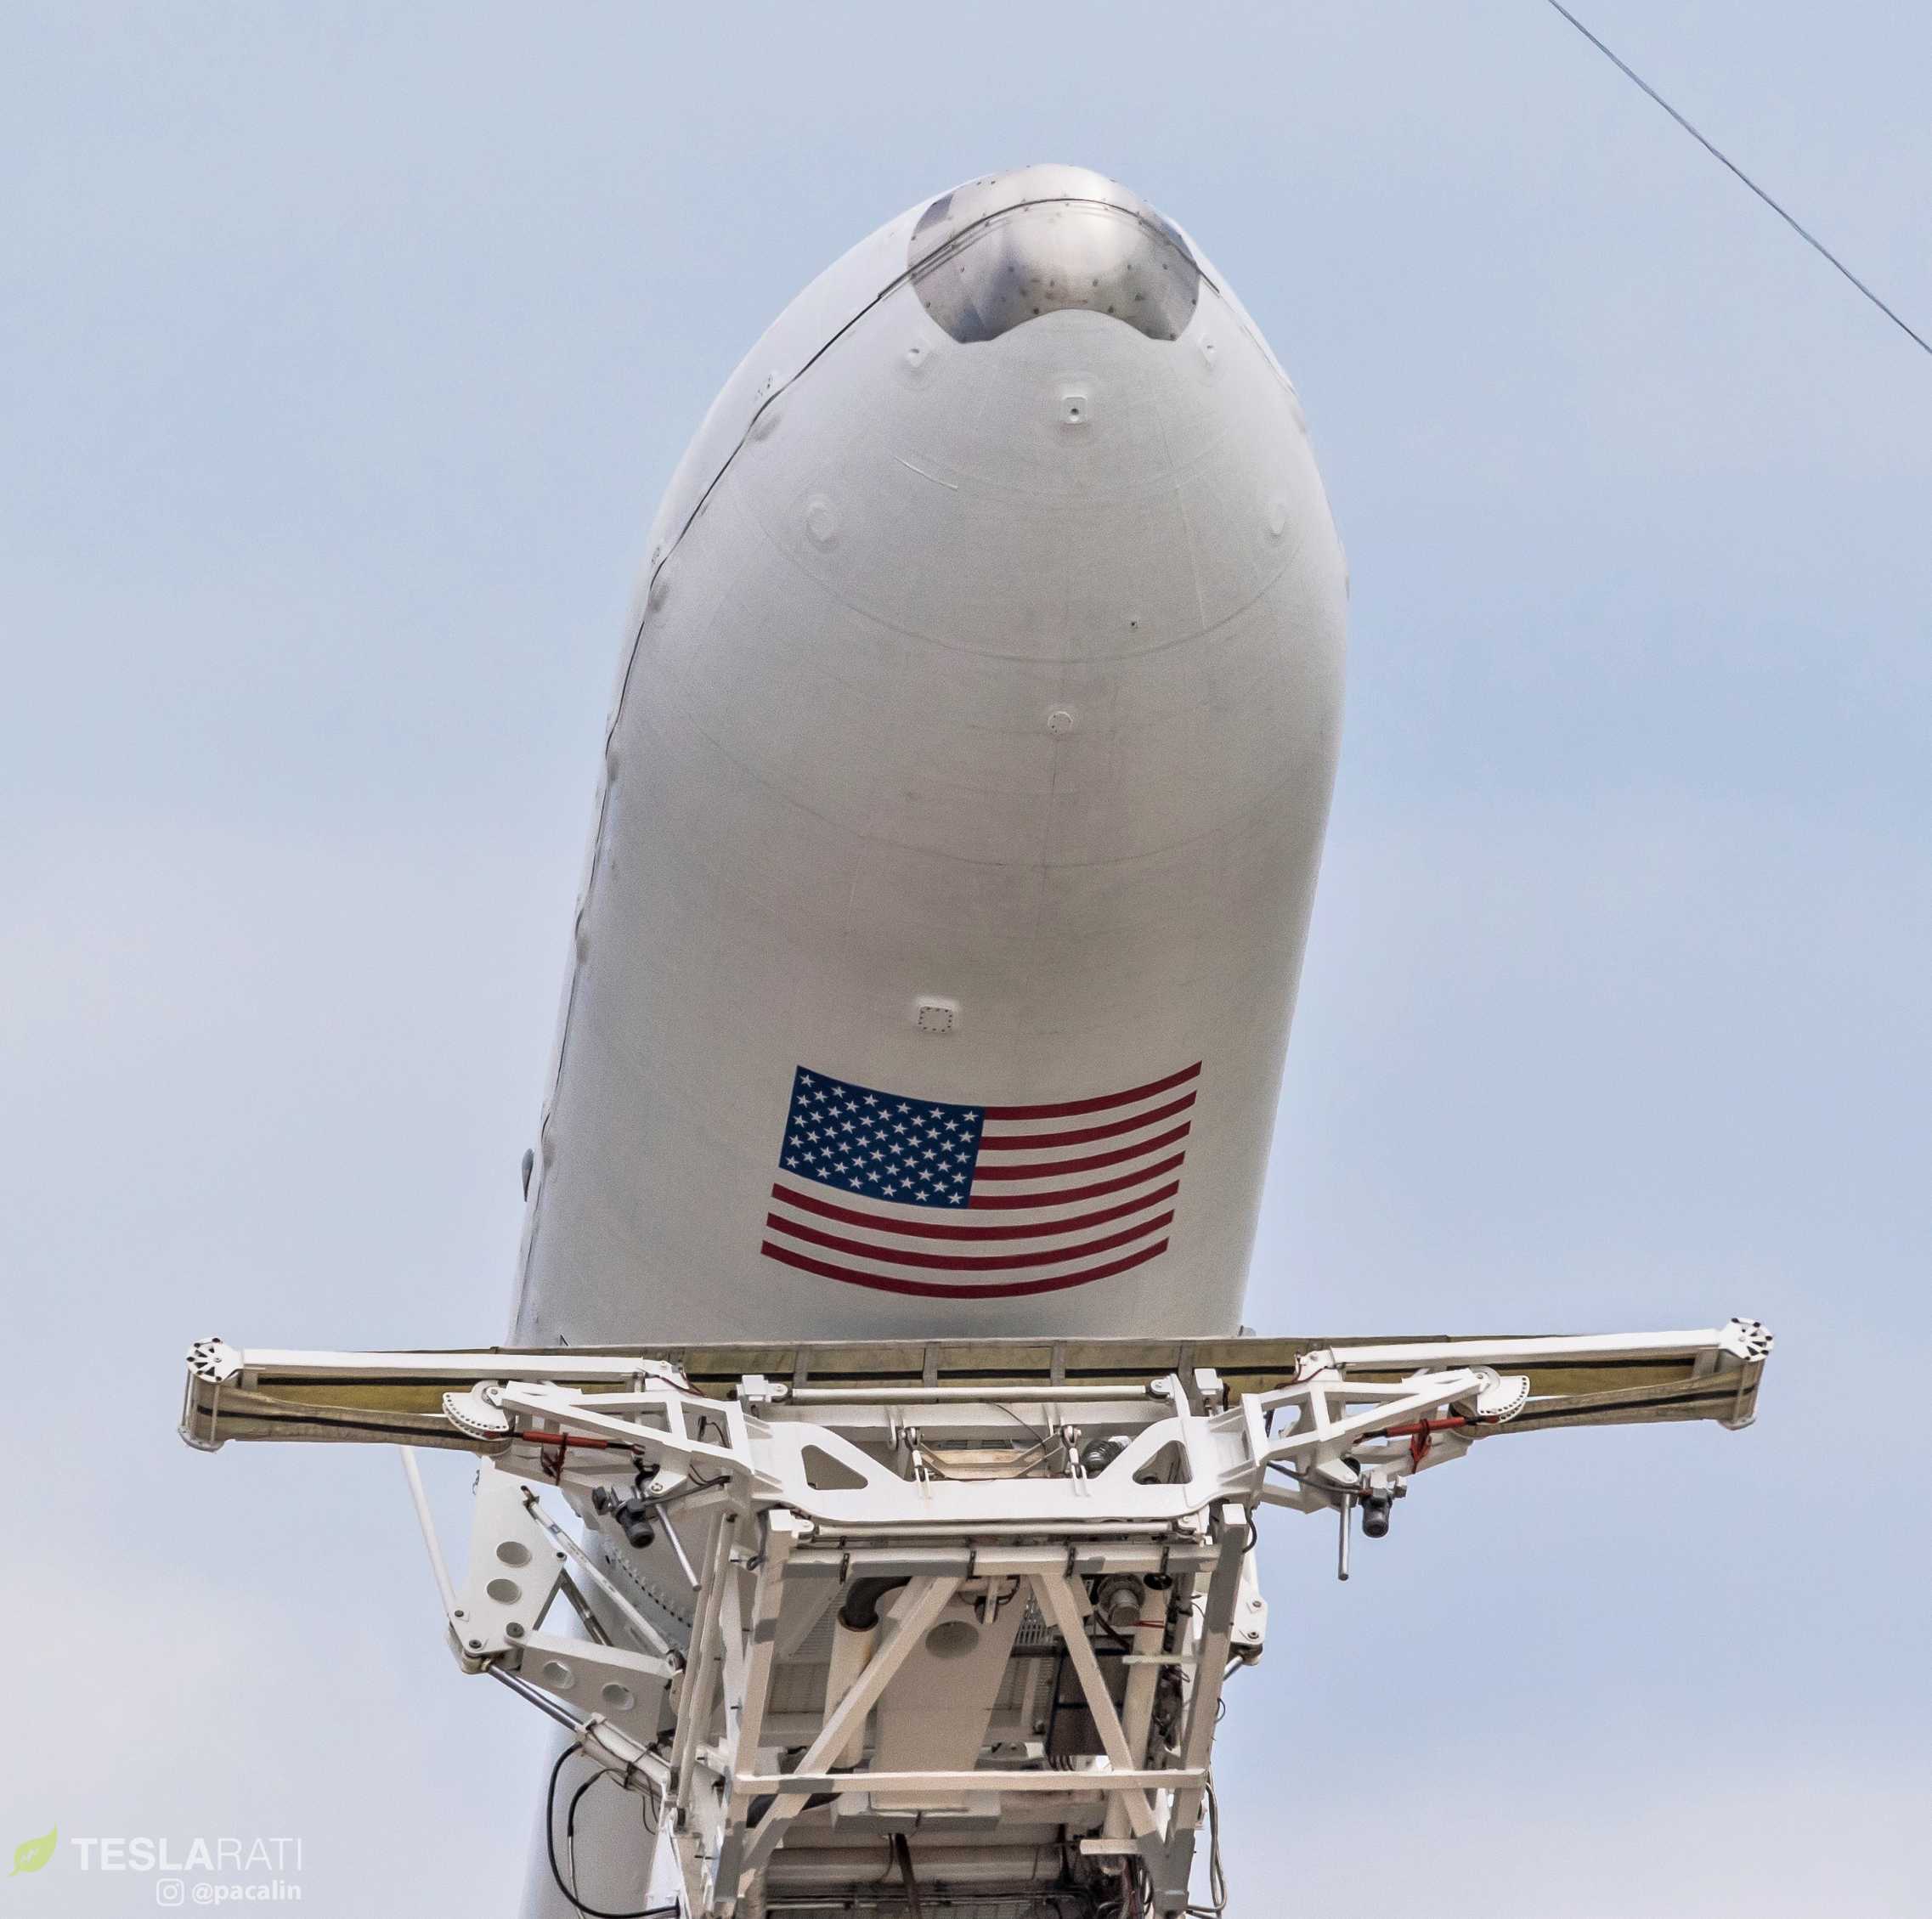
(975, 747)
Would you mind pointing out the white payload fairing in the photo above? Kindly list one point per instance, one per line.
(887, 1230)
(961, 809)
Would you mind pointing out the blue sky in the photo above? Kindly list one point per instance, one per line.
(347, 351)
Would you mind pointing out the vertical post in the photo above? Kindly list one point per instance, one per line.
(1236, 1534)
(694, 1707)
(744, 1716)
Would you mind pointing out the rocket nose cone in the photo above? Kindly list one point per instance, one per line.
(1003, 250)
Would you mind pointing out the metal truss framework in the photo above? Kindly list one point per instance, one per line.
(915, 1512)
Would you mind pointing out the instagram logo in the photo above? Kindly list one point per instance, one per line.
(170, 1891)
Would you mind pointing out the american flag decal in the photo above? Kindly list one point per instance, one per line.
(922, 1196)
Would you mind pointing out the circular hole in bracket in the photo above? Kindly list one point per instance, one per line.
(952, 1639)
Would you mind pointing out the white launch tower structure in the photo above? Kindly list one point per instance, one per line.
(953, 1617)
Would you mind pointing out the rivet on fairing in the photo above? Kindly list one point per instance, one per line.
(821, 521)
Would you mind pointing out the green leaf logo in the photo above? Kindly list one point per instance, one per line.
(33, 1854)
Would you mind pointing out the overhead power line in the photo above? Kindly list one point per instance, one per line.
(1809, 239)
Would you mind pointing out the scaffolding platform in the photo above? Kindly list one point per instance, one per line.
(934, 1626)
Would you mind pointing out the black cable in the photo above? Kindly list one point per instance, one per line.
(1045, 1439)
(696, 1486)
(671, 1911)
(1053, 1715)
(902, 1853)
(570, 1830)
(1809, 239)
(1287, 1471)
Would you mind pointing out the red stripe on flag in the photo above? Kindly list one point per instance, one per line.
(1018, 1142)
(1066, 1108)
(1044, 1230)
(1093, 1192)
(927, 1288)
(1046, 1169)
(965, 1262)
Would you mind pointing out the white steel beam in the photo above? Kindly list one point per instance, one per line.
(1059, 1601)
(918, 1606)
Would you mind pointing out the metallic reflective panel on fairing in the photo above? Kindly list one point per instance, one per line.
(996, 252)
(975, 747)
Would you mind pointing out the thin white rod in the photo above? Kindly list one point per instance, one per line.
(436, 1561)
(989, 1395)
(632, 1617)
